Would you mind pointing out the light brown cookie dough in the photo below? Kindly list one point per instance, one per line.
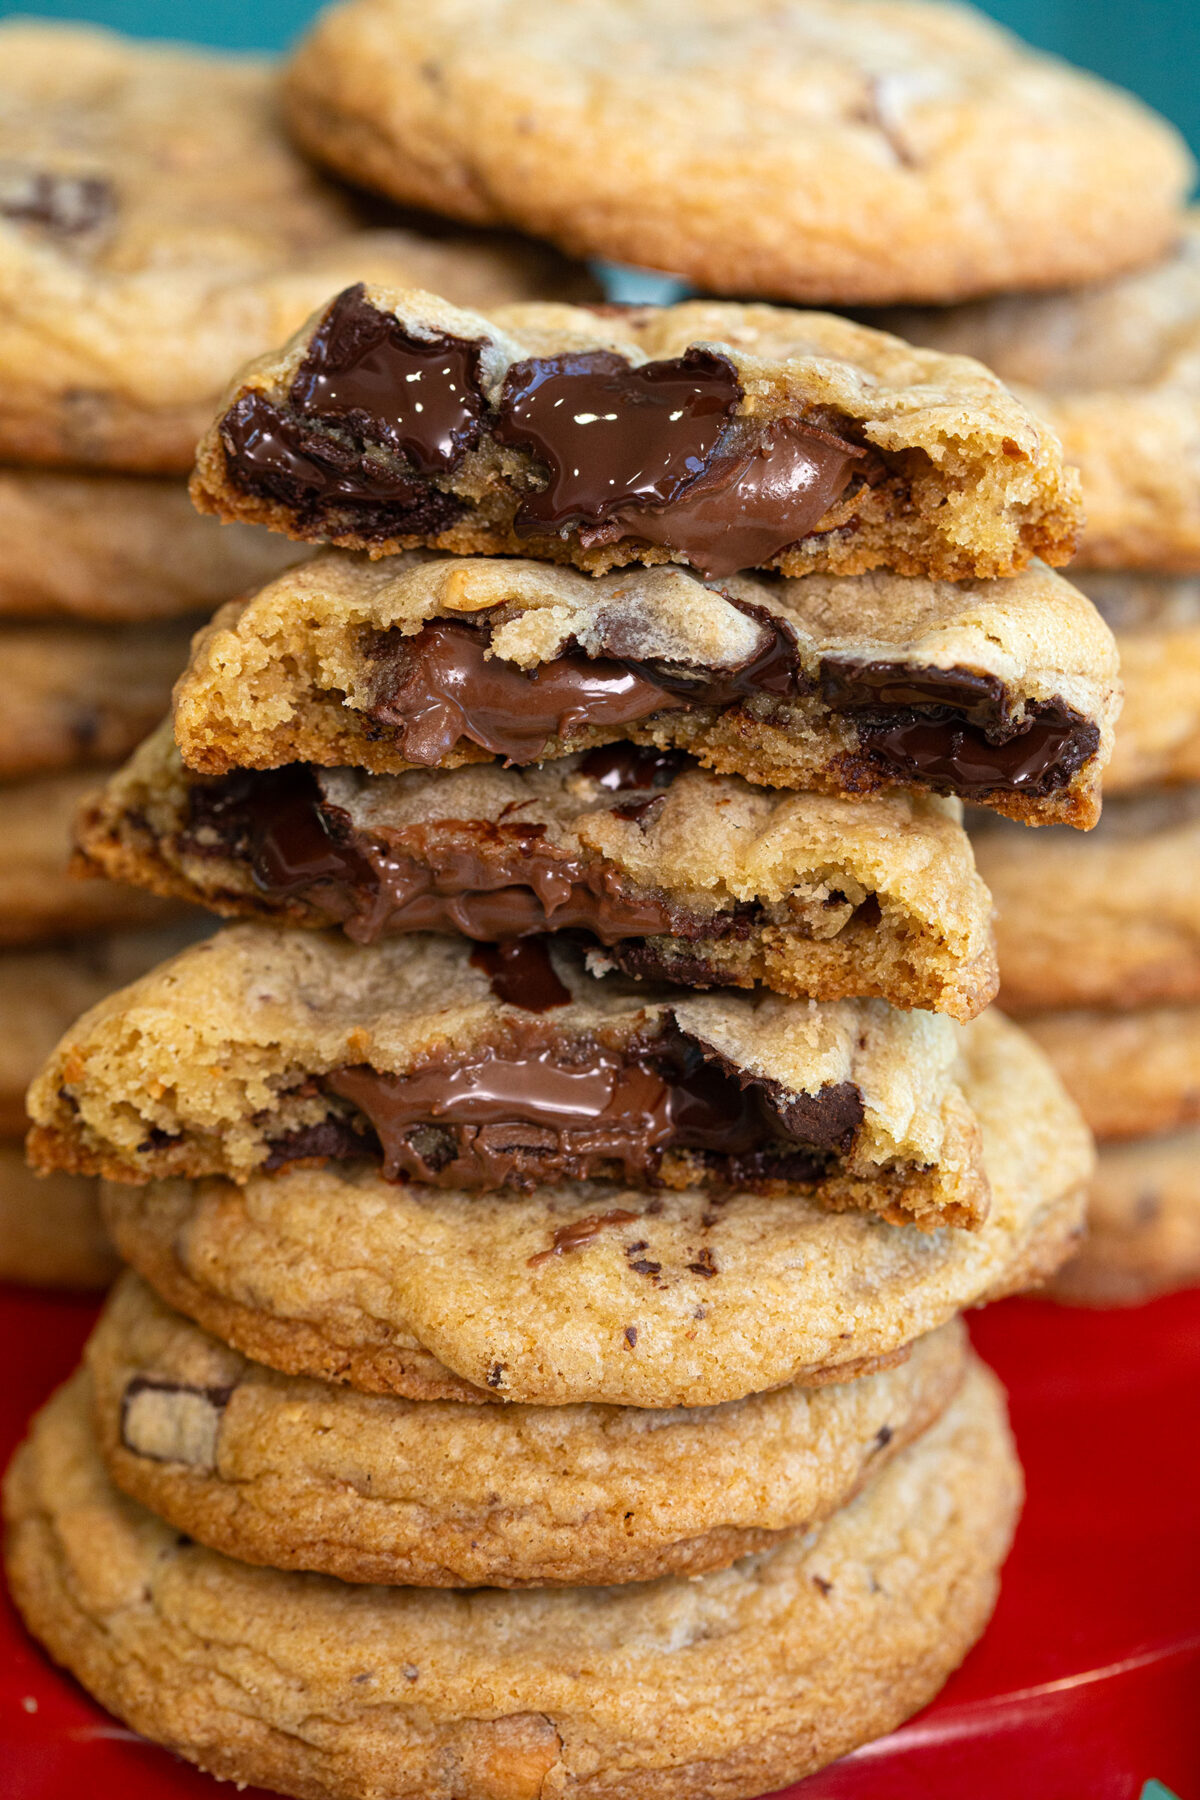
(157, 228)
(120, 549)
(671, 872)
(724, 436)
(734, 1682)
(550, 1299)
(1111, 919)
(1004, 692)
(1143, 1224)
(1114, 370)
(297, 1474)
(83, 694)
(1130, 1073)
(39, 900)
(1156, 622)
(822, 152)
(480, 1069)
(51, 1234)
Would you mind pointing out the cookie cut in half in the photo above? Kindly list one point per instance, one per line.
(505, 1066)
(297, 1474)
(157, 228)
(608, 1294)
(736, 1681)
(833, 151)
(724, 436)
(678, 873)
(1001, 692)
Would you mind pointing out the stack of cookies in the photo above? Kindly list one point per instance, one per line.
(562, 1180)
(156, 228)
(1099, 938)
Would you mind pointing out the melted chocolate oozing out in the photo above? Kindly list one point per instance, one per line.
(520, 973)
(539, 1109)
(66, 204)
(420, 396)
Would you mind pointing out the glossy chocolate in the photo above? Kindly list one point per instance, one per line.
(520, 973)
(539, 1107)
(619, 767)
(66, 204)
(886, 687)
(420, 396)
(1041, 759)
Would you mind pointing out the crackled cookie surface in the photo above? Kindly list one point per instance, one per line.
(676, 1298)
(298, 1474)
(822, 151)
(505, 1066)
(724, 436)
(1004, 692)
(741, 1680)
(157, 228)
(668, 870)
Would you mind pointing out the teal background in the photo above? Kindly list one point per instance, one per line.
(1152, 46)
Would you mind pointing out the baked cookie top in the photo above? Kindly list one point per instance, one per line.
(725, 436)
(1004, 692)
(667, 870)
(480, 1069)
(823, 151)
(300, 1474)
(157, 228)
(548, 1298)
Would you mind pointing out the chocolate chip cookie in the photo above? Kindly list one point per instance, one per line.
(723, 436)
(1114, 370)
(121, 548)
(822, 152)
(1130, 1073)
(51, 1234)
(666, 870)
(157, 228)
(1002, 692)
(1143, 1224)
(1156, 622)
(1112, 919)
(737, 1681)
(613, 1295)
(298, 1474)
(505, 1067)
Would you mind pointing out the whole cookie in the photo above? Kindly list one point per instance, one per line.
(735, 1682)
(157, 228)
(823, 151)
(1143, 1224)
(297, 1474)
(1156, 622)
(1130, 1073)
(1114, 368)
(51, 1234)
(613, 1295)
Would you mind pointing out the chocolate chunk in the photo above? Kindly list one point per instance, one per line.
(172, 1421)
(1051, 748)
(888, 688)
(610, 434)
(521, 974)
(618, 767)
(335, 1139)
(67, 204)
(420, 396)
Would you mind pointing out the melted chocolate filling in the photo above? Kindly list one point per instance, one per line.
(543, 1109)
(66, 204)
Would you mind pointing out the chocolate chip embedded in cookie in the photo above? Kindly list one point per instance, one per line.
(298, 1474)
(505, 1067)
(832, 1636)
(1003, 692)
(157, 228)
(607, 1294)
(675, 872)
(818, 152)
(727, 437)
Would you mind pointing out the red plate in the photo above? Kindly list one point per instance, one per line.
(1086, 1685)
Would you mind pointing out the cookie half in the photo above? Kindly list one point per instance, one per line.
(583, 1294)
(297, 1474)
(1001, 692)
(39, 900)
(727, 437)
(1130, 1073)
(1156, 622)
(157, 228)
(666, 870)
(821, 152)
(1111, 919)
(1112, 369)
(51, 1234)
(736, 1681)
(1143, 1224)
(506, 1066)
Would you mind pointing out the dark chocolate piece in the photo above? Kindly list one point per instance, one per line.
(1042, 758)
(336, 1139)
(884, 687)
(420, 396)
(521, 974)
(185, 1432)
(619, 767)
(67, 204)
